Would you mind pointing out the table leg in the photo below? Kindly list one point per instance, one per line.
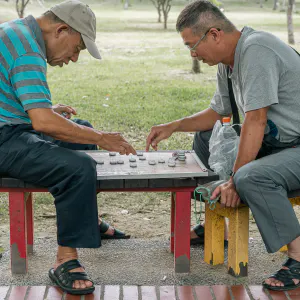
(182, 232)
(29, 223)
(172, 222)
(18, 249)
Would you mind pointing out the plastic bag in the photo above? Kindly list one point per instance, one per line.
(223, 148)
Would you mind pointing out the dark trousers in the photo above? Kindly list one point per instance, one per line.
(69, 175)
(201, 146)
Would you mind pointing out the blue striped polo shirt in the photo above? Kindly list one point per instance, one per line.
(23, 67)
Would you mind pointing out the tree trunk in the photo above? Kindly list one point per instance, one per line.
(275, 5)
(196, 66)
(283, 5)
(159, 14)
(165, 20)
(290, 26)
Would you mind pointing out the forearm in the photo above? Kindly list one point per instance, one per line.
(202, 121)
(60, 128)
(251, 138)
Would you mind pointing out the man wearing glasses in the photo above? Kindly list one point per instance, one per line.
(265, 74)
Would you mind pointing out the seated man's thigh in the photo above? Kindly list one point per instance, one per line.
(282, 169)
(30, 158)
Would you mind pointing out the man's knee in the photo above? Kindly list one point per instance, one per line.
(249, 178)
(80, 165)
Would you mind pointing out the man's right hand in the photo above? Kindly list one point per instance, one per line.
(159, 133)
(114, 141)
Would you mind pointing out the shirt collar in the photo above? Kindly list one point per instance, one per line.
(37, 32)
(245, 33)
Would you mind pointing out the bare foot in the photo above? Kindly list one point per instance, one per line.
(65, 254)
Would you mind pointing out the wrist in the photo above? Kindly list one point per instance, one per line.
(231, 174)
(175, 125)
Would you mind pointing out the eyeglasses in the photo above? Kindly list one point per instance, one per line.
(193, 49)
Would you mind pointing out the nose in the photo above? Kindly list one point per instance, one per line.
(74, 58)
(194, 54)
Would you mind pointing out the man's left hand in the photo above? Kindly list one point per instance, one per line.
(229, 195)
(65, 110)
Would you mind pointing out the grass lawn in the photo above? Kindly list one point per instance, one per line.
(146, 71)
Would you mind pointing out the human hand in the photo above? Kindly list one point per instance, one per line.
(157, 134)
(65, 110)
(229, 195)
(114, 141)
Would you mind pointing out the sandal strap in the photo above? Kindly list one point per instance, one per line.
(199, 230)
(79, 276)
(68, 266)
(103, 227)
(285, 276)
(294, 267)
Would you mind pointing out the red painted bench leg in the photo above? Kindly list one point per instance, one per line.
(18, 249)
(172, 222)
(182, 232)
(29, 223)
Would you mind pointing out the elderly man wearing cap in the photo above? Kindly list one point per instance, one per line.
(27, 116)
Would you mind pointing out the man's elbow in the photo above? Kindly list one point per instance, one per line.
(39, 125)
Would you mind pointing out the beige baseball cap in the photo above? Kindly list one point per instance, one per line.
(81, 18)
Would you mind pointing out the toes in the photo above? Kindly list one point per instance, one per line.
(77, 284)
(82, 284)
(88, 283)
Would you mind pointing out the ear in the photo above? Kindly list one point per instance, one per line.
(216, 34)
(61, 30)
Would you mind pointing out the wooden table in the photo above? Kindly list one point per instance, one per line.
(21, 209)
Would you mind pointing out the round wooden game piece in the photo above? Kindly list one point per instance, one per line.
(142, 158)
(139, 154)
(113, 162)
(133, 165)
(152, 162)
(100, 162)
(120, 162)
(112, 153)
(161, 161)
(132, 159)
(171, 162)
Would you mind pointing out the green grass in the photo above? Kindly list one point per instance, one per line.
(146, 70)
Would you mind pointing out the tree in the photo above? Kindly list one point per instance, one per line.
(290, 26)
(196, 66)
(20, 7)
(163, 7)
(166, 7)
(157, 5)
(275, 5)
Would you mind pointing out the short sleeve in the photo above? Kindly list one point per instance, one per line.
(220, 102)
(259, 75)
(28, 79)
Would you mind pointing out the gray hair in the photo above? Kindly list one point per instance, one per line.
(202, 15)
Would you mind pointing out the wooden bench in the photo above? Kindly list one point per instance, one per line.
(238, 237)
(22, 221)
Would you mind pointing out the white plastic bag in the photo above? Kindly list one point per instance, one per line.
(223, 148)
